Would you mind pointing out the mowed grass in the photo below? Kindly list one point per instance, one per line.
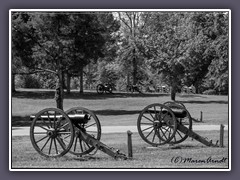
(123, 109)
(144, 156)
(118, 108)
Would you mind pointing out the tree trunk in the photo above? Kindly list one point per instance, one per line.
(59, 90)
(68, 83)
(196, 87)
(134, 68)
(81, 80)
(89, 79)
(13, 82)
(173, 92)
(128, 79)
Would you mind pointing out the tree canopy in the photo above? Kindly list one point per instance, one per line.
(173, 48)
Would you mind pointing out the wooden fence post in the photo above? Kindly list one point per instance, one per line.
(130, 154)
(221, 135)
(201, 116)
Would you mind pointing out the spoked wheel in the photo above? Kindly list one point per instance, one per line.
(157, 124)
(90, 125)
(183, 118)
(100, 89)
(51, 133)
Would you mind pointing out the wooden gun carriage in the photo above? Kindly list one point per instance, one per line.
(54, 132)
(168, 123)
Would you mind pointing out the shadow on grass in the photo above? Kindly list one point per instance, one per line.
(204, 102)
(49, 94)
(28, 94)
(112, 112)
(20, 121)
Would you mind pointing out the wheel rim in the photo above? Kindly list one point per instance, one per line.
(100, 89)
(185, 121)
(51, 133)
(91, 127)
(156, 124)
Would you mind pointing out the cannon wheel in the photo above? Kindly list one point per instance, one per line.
(157, 124)
(52, 133)
(92, 127)
(186, 121)
(100, 89)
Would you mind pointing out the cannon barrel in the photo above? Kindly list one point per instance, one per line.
(82, 118)
(179, 113)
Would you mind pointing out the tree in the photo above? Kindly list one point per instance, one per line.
(130, 43)
(185, 47)
(208, 47)
(61, 42)
(21, 46)
(92, 39)
(168, 45)
(218, 69)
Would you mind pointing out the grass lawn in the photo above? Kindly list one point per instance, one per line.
(195, 155)
(123, 109)
(118, 108)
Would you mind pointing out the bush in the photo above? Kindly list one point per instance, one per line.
(210, 92)
(31, 82)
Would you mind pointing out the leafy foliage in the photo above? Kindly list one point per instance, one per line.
(173, 48)
(188, 48)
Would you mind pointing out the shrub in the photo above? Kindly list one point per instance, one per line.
(210, 92)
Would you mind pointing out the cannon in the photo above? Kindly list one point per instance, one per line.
(168, 123)
(54, 133)
(134, 88)
(101, 88)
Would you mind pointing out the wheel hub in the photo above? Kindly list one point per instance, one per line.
(157, 124)
(52, 133)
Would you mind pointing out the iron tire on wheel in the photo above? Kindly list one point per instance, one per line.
(157, 124)
(51, 133)
(91, 127)
(100, 89)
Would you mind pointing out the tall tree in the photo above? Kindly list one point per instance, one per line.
(183, 46)
(21, 45)
(219, 69)
(203, 49)
(92, 39)
(130, 51)
(61, 42)
(168, 44)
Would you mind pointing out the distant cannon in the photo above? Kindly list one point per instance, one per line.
(101, 88)
(163, 89)
(188, 90)
(134, 88)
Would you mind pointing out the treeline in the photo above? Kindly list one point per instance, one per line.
(82, 49)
